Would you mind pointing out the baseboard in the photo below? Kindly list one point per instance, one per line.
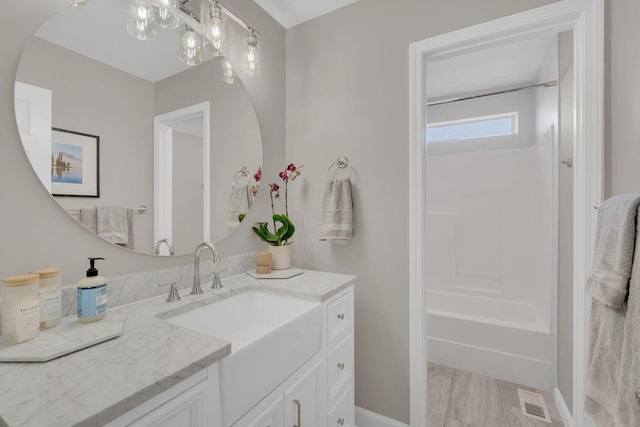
(366, 418)
(495, 364)
(565, 414)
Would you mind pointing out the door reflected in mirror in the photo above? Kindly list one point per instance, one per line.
(84, 73)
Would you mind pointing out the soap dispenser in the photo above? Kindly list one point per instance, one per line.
(92, 295)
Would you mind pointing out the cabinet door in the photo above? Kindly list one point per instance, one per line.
(272, 417)
(305, 401)
(185, 410)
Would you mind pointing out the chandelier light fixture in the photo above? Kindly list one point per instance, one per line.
(167, 11)
(228, 75)
(190, 47)
(141, 20)
(215, 30)
(251, 62)
(208, 32)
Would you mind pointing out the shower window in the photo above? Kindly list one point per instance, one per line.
(473, 128)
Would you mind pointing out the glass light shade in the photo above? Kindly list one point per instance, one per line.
(190, 47)
(228, 75)
(215, 31)
(141, 21)
(168, 18)
(251, 60)
(166, 4)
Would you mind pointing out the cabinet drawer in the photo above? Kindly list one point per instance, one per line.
(340, 366)
(340, 313)
(343, 412)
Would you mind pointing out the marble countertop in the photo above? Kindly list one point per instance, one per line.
(96, 385)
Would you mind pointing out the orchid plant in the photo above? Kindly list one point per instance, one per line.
(281, 234)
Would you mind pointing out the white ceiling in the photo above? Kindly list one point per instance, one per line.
(498, 67)
(290, 13)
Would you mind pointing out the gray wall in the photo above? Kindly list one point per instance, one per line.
(234, 131)
(91, 97)
(36, 232)
(187, 191)
(622, 97)
(347, 95)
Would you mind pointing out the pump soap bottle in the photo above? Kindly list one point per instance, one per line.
(92, 295)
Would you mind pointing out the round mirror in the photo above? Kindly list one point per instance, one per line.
(145, 151)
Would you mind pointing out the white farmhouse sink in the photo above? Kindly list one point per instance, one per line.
(271, 336)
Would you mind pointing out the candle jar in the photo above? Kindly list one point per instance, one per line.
(50, 297)
(20, 307)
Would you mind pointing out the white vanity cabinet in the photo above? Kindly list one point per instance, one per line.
(321, 392)
(194, 402)
(304, 403)
(340, 360)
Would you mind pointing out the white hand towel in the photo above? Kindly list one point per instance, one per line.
(336, 214)
(613, 251)
(614, 343)
(112, 224)
(89, 217)
(239, 203)
(131, 237)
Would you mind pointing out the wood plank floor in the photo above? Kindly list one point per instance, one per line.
(457, 398)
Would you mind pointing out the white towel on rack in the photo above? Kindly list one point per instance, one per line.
(336, 214)
(239, 203)
(88, 218)
(613, 361)
(112, 224)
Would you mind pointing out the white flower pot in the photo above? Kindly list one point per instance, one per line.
(280, 257)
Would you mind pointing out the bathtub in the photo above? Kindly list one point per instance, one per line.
(502, 339)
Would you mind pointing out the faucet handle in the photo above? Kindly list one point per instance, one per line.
(217, 283)
(173, 293)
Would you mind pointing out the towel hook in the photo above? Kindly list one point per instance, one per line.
(342, 163)
(244, 172)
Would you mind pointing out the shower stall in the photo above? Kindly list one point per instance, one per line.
(492, 230)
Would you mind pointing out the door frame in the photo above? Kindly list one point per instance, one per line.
(586, 19)
(163, 175)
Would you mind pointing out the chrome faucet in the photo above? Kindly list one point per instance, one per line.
(156, 248)
(197, 289)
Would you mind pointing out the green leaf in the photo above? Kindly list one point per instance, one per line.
(290, 228)
(241, 216)
(264, 234)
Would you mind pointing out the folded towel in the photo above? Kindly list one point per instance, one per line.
(614, 343)
(613, 251)
(336, 214)
(112, 224)
(131, 238)
(239, 203)
(88, 218)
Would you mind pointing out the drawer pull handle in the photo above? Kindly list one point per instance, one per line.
(299, 410)
(341, 365)
(341, 421)
(341, 316)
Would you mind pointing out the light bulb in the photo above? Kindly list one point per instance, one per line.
(168, 19)
(81, 3)
(167, 13)
(228, 75)
(251, 62)
(215, 31)
(141, 21)
(166, 4)
(190, 47)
